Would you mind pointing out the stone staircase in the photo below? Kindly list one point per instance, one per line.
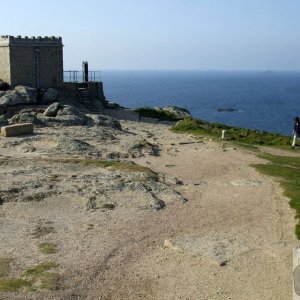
(86, 100)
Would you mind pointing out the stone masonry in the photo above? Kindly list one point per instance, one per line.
(36, 62)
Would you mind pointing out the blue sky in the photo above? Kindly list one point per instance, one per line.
(165, 34)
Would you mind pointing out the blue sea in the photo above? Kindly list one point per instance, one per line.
(267, 101)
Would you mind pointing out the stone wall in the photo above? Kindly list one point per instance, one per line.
(95, 89)
(35, 62)
(22, 65)
(4, 64)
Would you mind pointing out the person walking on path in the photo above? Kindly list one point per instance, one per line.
(296, 131)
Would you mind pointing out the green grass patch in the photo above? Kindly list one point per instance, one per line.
(47, 248)
(31, 280)
(41, 268)
(155, 113)
(40, 278)
(288, 170)
(12, 285)
(235, 134)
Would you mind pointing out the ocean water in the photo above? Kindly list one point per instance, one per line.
(267, 101)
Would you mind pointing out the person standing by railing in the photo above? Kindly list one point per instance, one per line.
(296, 131)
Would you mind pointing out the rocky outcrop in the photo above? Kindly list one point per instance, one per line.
(19, 95)
(140, 148)
(68, 110)
(106, 121)
(50, 96)
(2, 93)
(70, 115)
(4, 86)
(3, 110)
(3, 120)
(52, 110)
(75, 146)
(25, 117)
(66, 115)
(177, 111)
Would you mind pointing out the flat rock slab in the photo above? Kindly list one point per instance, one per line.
(243, 182)
(216, 248)
(17, 129)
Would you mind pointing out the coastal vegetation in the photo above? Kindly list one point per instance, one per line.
(36, 277)
(11, 285)
(234, 134)
(159, 114)
(288, 170)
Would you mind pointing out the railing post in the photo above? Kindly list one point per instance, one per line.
(75, 76)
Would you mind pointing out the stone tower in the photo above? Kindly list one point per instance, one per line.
(35, 61)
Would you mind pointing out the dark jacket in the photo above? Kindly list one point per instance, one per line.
(297, 128)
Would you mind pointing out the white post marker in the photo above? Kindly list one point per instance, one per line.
(294, 140)
(223, 134)
(296, 273)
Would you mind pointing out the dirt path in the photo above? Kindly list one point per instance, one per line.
(235, 217)
(233, 239)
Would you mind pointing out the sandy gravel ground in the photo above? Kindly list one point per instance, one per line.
(232, 239)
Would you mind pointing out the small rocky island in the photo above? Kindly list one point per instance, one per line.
(228, 109)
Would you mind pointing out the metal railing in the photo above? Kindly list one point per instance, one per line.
(78, 76)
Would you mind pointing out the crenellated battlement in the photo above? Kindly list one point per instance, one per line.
(6, 40)
(32, 61)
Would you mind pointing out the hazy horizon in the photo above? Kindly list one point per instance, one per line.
(197, 70)
(233, 35)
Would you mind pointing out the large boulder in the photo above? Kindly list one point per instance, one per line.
(67, 116)
(25, 117)
(3, 110)
(69, 110)
(3, 120)
(52, 110)
(177, 111)
(50, 96)
(67, 120)
(106, 121)
(4, 86)
(70, 115)
(19, 95)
